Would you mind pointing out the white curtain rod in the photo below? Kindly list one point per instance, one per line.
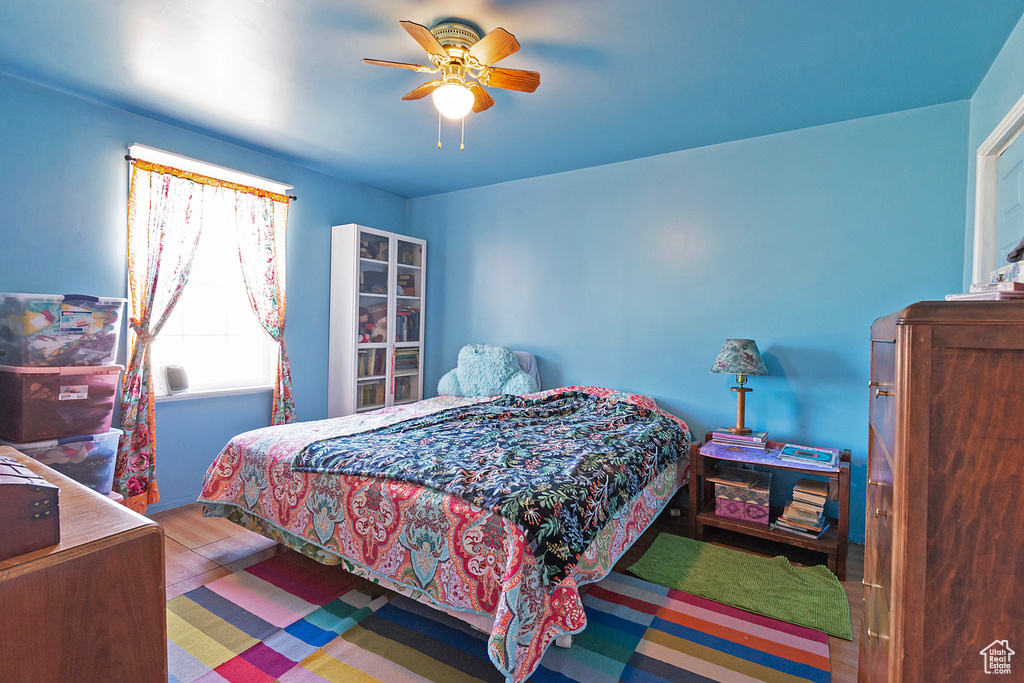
(159, 156)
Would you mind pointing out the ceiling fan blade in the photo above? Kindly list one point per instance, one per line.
(495, 46)
(398, 65)
(424, 37)
(512, 79)
(482, 100)
(422, 91)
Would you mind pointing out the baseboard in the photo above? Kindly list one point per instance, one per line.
(169, 504)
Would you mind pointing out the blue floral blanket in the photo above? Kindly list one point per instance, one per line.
(559, 466)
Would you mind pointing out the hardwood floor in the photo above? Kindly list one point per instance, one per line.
(201, 549)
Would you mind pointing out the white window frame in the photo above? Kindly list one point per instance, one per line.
(154, 155)
(985, 214)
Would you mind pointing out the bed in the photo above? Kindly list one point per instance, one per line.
(434, 546)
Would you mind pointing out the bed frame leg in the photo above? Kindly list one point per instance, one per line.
(564, 641)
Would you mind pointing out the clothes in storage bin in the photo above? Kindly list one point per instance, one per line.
(51, 403)
(88, 459)
(51, 330)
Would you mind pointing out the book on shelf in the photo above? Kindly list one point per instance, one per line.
(371, 393)
(812, 498)
(371, 362)
(823, 456)
(814, 487)
(408, 325)
(808, 461)
(407, 360)
(753, 437)
(782, 526)
(403, 388)
(807, 507)
(802, 519)
(806, 512)
(733, 476)
(754, 440)
(986, 296)
(1005, 286)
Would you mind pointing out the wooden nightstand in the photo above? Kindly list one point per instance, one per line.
(834, 542)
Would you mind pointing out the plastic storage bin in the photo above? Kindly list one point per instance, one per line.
(87, 459)
(51, 330)
(51, 403)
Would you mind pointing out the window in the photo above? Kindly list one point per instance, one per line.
(212, 332)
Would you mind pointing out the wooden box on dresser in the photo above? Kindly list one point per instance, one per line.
(92, 607)
(944, 537)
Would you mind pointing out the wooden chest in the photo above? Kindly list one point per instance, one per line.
(29, 514)
(91, 608)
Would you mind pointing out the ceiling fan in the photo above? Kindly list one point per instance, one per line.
(464, 60)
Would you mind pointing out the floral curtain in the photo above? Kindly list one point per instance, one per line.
(165, 217)
(165, 220)
(261, 221)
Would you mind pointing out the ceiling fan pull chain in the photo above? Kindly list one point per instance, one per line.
(463, 147)
(439, 130)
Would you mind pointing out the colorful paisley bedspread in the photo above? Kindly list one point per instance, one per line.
(439, 546)
(558, 466)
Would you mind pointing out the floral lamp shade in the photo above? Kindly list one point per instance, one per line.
(739, 357)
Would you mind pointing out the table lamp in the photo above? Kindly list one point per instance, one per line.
(741, 358)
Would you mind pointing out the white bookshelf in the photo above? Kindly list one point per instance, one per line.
(367, 268)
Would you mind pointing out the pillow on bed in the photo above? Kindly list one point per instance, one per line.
(528, 362)
(485, 370)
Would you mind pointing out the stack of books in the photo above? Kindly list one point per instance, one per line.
(406, 360)
(756, 440)
(805, 515)
(991, 291)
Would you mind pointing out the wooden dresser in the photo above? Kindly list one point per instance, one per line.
(92, 607)
(944, 548)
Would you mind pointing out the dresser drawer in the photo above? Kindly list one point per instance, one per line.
(883, 361)
(876, 625)
(878, 516)
(874, 656)
(882, 406)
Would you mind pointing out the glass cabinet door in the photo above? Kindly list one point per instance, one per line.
(408, 292)
(373, 289)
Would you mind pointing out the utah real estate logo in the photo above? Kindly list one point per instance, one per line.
(997, 657)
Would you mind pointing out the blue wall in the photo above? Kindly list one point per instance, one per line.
(629, 275)
(64, 192)
(1002, 86)
(632, 275)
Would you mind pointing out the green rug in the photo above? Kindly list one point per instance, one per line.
(806, 596)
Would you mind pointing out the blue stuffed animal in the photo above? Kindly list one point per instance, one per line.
(485, 370)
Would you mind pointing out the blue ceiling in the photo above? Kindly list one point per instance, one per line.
(619, 80)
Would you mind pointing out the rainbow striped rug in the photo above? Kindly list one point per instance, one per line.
(293, 620)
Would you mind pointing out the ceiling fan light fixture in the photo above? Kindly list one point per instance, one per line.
(453, 100)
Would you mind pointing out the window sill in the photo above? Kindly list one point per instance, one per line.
(212, 393)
